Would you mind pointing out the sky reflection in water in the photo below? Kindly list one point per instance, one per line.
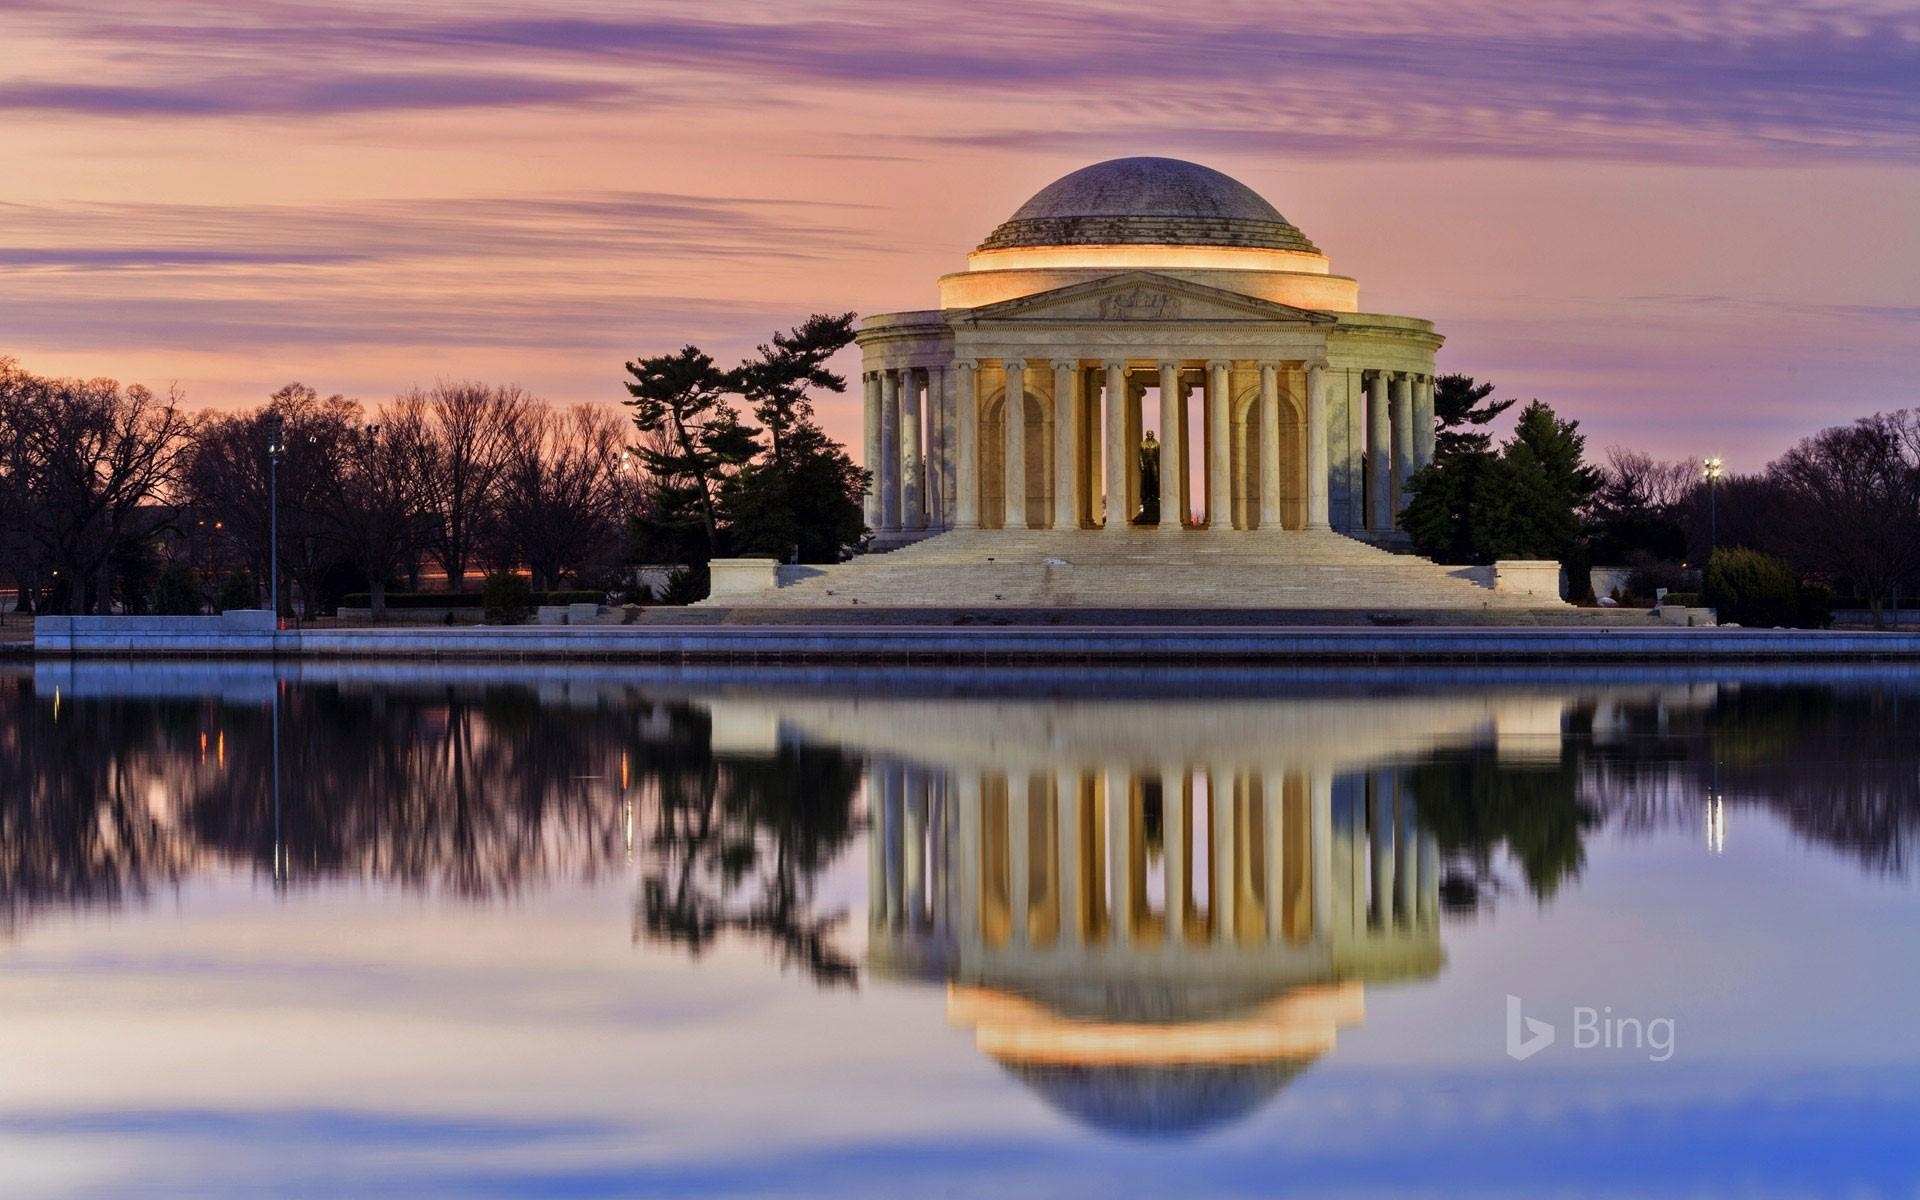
(611, 932)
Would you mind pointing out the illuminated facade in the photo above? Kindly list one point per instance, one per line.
(1135, 297)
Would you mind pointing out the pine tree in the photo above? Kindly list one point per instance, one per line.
(1460, 410)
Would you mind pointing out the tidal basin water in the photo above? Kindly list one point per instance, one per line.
(601, 931)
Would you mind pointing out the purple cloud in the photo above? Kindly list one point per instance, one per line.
(255, 95)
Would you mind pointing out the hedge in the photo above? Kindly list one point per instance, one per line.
(399, 600)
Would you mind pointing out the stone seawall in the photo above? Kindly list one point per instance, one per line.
(989, 646)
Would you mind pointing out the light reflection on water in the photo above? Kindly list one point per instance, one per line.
(607, 931)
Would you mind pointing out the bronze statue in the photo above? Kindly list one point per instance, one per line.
(1149, 513)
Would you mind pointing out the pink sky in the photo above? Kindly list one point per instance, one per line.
(1690, 225)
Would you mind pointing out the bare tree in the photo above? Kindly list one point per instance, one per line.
(1852, 506)
(565, 491)
(371, 506)
(470, 430)
(92, 456)
(226, 480)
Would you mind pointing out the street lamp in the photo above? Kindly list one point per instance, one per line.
(1712, 470)
(276, 445)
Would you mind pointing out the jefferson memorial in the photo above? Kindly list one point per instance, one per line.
(1147, 391)
(1145, 342)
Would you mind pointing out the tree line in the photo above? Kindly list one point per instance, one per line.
(1838, 513)
(119, 499)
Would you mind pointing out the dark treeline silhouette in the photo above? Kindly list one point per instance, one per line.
(474, 792)
(1840, 767)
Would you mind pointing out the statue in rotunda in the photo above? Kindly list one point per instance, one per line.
(1149, 513)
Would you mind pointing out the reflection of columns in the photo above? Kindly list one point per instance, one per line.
(967, 895)
(876, 852)
(1379, 457)
(1273, 823)
(1117, 449)
(1174, 499)
(1176, 832)
(1020, 869)
(1119, 852)
(1226, 873)
(1317, 468)
(1014, 460)
(915, 859)
(1423, 429)
(1402, 440)
(1066, 815)
(1065, 407)
(1320, 810)
(1380, 845)
(1219, 448)
(1405, 855)
(871, 383)
(966, 444)
(913, 476)
(1429, 877)
(893, 785)
(1269, 447)
(889, 470)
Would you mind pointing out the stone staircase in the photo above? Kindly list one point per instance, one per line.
(1138, 569)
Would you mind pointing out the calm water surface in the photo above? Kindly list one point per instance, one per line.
(615, 932)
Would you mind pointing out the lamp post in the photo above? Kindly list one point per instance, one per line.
(1712, 470)
(276, 443)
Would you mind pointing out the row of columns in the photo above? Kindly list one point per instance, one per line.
(925, 455)
(1029, 859)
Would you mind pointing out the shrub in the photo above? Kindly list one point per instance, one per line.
(1752, 588)
(177, 594)
(1816, 606)
(686, 585)
(1684, 599)
(507, 599)
(237, 591)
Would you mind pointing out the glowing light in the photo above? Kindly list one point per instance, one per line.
(1713, 469)
(1716, 825)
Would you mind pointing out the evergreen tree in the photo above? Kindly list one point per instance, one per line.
(684, 396)
(1460, 409)
(775, 384)
(1476, 506)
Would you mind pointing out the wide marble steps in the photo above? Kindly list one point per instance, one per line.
(1193, 569)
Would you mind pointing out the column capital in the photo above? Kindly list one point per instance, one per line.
(971, 364)
(1316, 364)
(1269, 368)
(1219, 364)
(1114, 364)
(1066, 364)
(1013, 364)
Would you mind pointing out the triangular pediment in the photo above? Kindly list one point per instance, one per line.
(1144, 296)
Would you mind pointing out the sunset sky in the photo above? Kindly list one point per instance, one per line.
(1693, 226)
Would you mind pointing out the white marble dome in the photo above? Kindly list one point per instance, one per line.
(1148, 201)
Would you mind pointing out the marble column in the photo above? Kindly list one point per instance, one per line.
(1118, 456)
(1066, 513)
(1379, 456)
(936, 424)
(913, 463)
(966, 447)
(890, 451)
(1174, 501)
(871, 384)
(1402, 441)
(1270, 446)
(1423, 430)
(1317, 459)
(1014, 460)
(1219, 447)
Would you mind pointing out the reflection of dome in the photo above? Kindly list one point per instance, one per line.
(1169, 1100)
(1148, 201)
(1167, 1077)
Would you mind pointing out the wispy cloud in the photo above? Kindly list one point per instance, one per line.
(292, 96)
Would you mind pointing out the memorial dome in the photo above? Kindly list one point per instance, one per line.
(1148, 201)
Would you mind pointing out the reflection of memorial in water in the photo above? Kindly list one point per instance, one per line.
(1155, 947)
